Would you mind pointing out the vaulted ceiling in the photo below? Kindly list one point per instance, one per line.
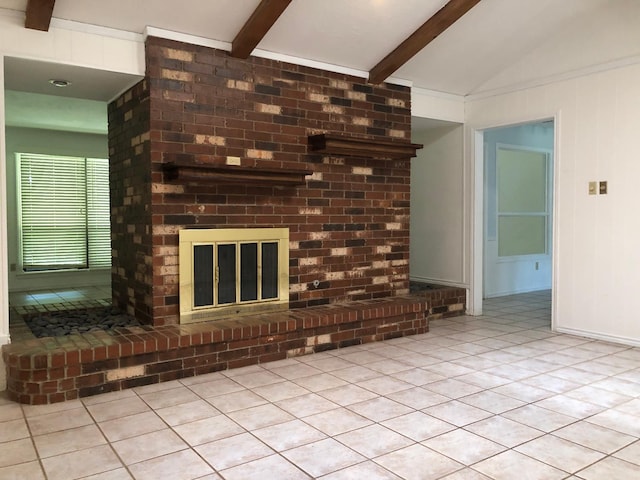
(432, 44)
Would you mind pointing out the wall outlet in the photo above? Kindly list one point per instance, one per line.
(233, 161)
(603, 187)
(593, 188)
(537, 266)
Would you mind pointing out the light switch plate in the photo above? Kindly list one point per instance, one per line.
(593, 188)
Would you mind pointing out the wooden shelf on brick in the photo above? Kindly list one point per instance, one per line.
(205, 172)
(340, 145)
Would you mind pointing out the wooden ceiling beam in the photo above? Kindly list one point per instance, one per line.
(39, 13)
(438, 23)
(261, 20)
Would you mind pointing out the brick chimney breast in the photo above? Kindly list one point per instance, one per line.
(348, 222)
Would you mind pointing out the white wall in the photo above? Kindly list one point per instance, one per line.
(72, 44)
(523, 273)
(27, 140)
(437, 105)
(437, 230)
(597, 238)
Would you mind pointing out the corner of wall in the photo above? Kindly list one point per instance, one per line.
(437, 105)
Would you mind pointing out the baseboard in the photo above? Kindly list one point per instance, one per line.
(633, 342)
(516, 292)
(438, 281)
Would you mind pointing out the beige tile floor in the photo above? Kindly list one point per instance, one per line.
(498, 396)
(61, 299)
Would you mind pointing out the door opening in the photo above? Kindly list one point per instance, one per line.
(513, 240)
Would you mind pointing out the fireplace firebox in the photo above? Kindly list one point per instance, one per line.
(232, 272)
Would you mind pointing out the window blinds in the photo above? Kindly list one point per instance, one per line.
(98, 213)
(64, 212)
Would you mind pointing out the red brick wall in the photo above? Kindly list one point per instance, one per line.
(130, 186)
(349, 225)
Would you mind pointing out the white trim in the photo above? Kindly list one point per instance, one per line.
(555, 238)
(96, 30)
(475, 137)
(438, 281)
(517, 292)
(398, 81)
(281, 57)
(633, 342)
(185, 37)
(4, 243)
(434, 93)
(559, 77)
(476, 254)
(467, 218)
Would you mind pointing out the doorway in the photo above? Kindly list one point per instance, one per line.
(514, 183)
(58, 114)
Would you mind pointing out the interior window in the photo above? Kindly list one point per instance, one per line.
(63, 212)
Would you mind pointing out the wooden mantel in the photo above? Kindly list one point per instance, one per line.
(341, 145)
(206, 172)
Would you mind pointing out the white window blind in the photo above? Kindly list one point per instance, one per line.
(98, 213)
(64, 212)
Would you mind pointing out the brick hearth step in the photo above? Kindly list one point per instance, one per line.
(55, 369)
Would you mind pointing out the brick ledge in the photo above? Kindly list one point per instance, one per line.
(55, 369)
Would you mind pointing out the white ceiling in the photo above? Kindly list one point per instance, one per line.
(31, 76)
(497, 44)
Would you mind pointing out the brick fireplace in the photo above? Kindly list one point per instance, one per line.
(211, 141)
(214, 143)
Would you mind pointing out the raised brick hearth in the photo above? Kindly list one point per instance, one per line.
(56, 369)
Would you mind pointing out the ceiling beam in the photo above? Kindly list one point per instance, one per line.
(39, 14)
(261, 20)
(438, 23)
